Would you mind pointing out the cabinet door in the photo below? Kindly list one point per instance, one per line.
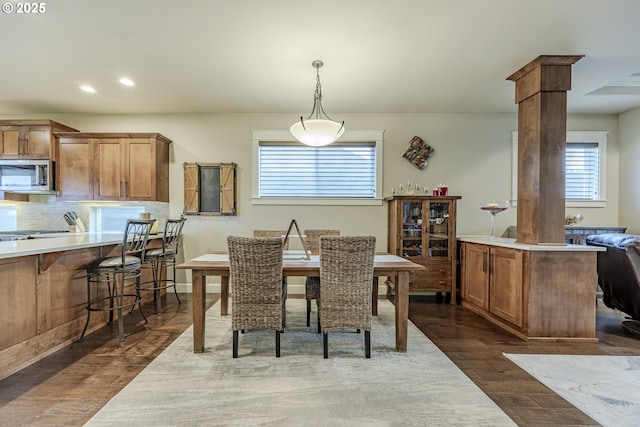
(33, 142)
(476, 275)
(411, 239)
(10, 141)
(37, 142)
(507, 284)
(139, 179)
(108, 178)
(74, 169)
(437, 228)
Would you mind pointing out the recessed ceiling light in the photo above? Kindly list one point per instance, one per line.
(87, 89)
(127, 82)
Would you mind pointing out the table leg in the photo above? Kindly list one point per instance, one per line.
(198, 284)
(402, 310)
(374, 297)
(224, 295)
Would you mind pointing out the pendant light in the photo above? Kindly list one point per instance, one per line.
(317, 129)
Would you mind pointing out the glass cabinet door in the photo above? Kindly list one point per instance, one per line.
(412, 219)
(438, 230)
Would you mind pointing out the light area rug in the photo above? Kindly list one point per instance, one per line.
(301, 388)
(607, 388)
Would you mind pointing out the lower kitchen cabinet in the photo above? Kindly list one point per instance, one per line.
(536, 293)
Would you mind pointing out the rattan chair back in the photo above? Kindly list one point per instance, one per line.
(346, 274)
(271, 233)
(312, 238)
(255, 276)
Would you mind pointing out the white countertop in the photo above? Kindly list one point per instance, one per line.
(511, 243)
(66, 242)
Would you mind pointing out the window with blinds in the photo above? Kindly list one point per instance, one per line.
(582, 171)
(585, 164)
(339, 170)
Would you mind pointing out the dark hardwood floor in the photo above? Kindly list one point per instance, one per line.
(71, 385)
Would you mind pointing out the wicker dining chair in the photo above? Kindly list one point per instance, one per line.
(110, 277)
(280, 234)
(257, 292)
(271, 233)
(346, 274)
(160, 260)
(312, 284)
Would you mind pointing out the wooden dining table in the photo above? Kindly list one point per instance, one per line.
(217, 264)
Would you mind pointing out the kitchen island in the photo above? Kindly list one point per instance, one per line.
(536, 292)
(44, 294)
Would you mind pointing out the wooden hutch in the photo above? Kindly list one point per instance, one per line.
(423, 230)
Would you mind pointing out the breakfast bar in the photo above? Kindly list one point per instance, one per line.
(43, 282)
(536, 292)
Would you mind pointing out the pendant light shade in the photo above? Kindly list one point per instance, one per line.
(317, 129)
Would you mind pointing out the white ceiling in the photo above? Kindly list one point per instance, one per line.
(401, 56)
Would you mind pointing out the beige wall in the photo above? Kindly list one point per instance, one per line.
(630, 171)
(472, 155)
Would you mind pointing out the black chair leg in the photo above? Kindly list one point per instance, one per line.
(120, 324)
(235, 344)
(367, 344)
(86, 324)
(308, 312)
(118, 297)
(325, 344)
(175, 289)
(139, 297)
(277, 343)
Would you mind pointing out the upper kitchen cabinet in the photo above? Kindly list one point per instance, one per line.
(113, 166)
(29, 139)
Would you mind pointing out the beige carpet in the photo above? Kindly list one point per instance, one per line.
(420, 387)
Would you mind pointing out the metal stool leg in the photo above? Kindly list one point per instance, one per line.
(86, 324)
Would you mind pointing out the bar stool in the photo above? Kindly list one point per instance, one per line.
(160, 259)
(114, 273)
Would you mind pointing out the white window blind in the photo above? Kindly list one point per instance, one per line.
(339, 170)
(582, 171)
(585, 169)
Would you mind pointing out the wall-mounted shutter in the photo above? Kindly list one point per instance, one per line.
(209, 189)
(227, 189)
(191, 172)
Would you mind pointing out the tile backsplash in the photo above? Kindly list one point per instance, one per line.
(46, 212)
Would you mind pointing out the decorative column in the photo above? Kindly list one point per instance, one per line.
(541, 94)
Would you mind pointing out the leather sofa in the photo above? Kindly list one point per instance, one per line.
(619, 274)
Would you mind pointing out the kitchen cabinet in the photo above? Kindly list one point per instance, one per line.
(29, 139)
(113, 166)
(423, 230)
(493, 281)
(536, 292)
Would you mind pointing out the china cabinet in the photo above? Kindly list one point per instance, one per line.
(29, 139)
(423, 230)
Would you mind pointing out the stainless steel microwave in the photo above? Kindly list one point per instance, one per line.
(27, 176)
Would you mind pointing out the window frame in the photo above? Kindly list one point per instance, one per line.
(598, 137)
(354, 136)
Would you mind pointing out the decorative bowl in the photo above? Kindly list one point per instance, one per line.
(572, 219)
